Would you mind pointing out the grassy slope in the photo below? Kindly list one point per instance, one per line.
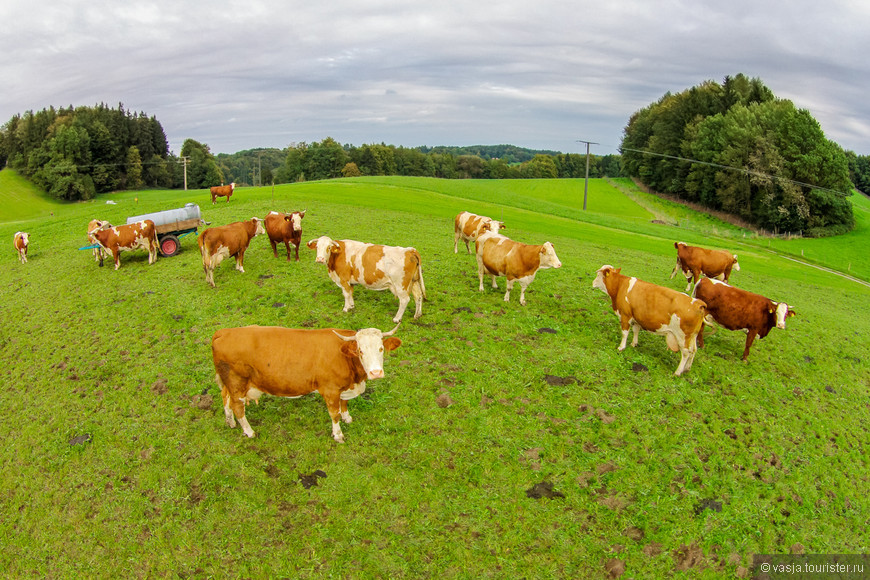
(164, 488)
(21, 200)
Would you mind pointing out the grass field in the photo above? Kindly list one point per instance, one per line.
(118, 463)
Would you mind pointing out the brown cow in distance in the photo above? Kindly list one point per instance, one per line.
(468, 226)
(694, 261)
(98, 251)
(285, 229)
(737, 309)
(116, 239)
(230, 240)
(639, 304)
(20, 241)
(288, 362)
(222, 191)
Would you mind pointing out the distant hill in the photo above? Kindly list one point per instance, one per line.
(509, 153)
(21, 199)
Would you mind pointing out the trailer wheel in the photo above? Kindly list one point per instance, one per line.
(169, 245)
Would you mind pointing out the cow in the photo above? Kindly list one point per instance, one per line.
(467, 226)
(289, 362)
(285, 229)
(222, 191)
(737, 309)
(221, 242)
(694, 261)
(498, 255)
(98, 251)
(20, 241)
(116, 239)
(639, 304)
(394, 268)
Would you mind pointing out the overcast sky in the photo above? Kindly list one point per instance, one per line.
(541, 74)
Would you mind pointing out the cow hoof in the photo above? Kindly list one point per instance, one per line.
(620, 348)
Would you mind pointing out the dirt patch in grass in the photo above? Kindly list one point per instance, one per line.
(543, 490)
(556, 381)
(688, 557)
(614, 568)
(310, 480)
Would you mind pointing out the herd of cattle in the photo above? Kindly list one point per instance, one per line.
(253, 360)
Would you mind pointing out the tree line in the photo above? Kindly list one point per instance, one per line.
(75, 153)
(736, 148)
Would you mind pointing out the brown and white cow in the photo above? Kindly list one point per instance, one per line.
(468, 226)
(639, 304)
(222, 191)
(227, 241)
(285, 229)
(287, 362)
(375, 267)
(694, 261)
(20, 241)
(116, 239)
(498, 255)
(98, 251)
(737, 309)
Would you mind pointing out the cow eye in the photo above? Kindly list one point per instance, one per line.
(382, 349)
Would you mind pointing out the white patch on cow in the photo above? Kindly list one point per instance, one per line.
(246, 427)
(296, 220)
(336, 432)
(631, 282)
(715, 281)
(599, 278)
(549, 258)
(370, 344)
(355, 391)
(736, 265)
(781, 313)
(274, 213)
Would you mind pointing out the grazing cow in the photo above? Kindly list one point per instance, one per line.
(98, 251)
(737, 309)
(116, 239)
(468, 226)
(498, 255)
(286, 229)
(288, 362)
(21, 240)
(221, 242)
(639, 304)
(375, 267)
(694, 261)
(222, 191)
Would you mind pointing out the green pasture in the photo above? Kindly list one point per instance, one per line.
(117, 461)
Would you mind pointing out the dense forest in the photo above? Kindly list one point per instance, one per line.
(737, 148)
(75, 153)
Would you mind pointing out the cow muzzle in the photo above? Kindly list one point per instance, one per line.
(319, 260)
(375, 374)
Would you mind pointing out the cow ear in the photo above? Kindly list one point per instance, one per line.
(350, 350)
(392, 343)
(502, 227)
(617, 271)
(790, 313)
(334, 246)
(312, 244)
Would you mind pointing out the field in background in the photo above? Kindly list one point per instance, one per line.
(118, 463)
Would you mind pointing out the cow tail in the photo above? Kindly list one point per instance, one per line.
(420, 272)
(203, 251)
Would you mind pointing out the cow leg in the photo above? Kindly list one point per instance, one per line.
(750, 337)
(480, 271)
(240, 261)
(684, 360)
(297, 251)
(333, 405)
(417, 292)
(345, 414)
(509, 285)
(347, 292)
(524, 283)
(404, 299)
(636, 328)
(116, 253)
(234, 407)
(274, 247)
(689, 278)
(676, 269)
(456, 243)
(287, 245)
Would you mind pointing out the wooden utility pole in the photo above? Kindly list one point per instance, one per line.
(184, 161)
(586, 185)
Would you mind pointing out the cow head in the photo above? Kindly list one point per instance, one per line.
(549, 259)
(24, 237)
(233, 186)
(736, 266)
(369, 345)
(324, 246)
(782, 311)
(258, 226)
(295, 219)
(604, 273)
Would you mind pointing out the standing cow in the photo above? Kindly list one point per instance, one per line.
(737, 309)
(20, 241)
(468, 226)
(288, 362)
(285, 229)
(694, 261)
(98, 251)
(498, 255)
(375, 267)
(230, 240)
(116, 239)
(222, 191)
(639, 304)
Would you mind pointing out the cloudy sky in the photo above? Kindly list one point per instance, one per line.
(541, 74)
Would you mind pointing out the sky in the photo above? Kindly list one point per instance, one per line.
(542, 74)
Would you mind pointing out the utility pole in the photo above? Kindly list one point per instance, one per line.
(184, 161)
(260, 167)
(586, 185)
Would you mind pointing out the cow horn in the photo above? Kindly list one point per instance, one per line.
(392, 332)
(345, 338)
